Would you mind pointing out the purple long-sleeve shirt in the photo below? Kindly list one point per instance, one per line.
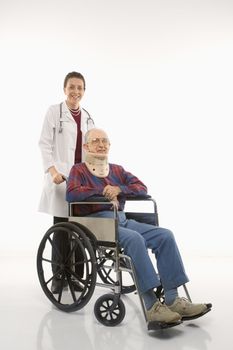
(82, 185)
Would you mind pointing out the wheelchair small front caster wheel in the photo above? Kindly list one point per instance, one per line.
(108, 310)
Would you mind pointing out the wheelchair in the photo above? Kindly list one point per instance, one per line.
(92, 257)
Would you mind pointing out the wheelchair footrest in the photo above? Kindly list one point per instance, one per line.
(155, 325)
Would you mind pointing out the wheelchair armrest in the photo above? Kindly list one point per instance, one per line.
(128, 198)
(147, 218)
(94, 199)
(138, 198)
(97, 199)
(105, 200)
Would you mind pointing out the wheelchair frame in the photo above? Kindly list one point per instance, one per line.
(97, 244)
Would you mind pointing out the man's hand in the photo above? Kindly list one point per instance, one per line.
(111, 192)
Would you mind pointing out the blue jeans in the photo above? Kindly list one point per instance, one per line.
(135, 238)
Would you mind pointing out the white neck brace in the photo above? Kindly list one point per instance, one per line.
(97, 164)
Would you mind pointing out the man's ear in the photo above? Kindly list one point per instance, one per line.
(85, 146)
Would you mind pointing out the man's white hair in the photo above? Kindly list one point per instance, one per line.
(87, 135)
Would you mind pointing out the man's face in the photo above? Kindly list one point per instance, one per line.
(98, 142)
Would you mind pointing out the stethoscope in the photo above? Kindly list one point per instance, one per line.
(89, 119)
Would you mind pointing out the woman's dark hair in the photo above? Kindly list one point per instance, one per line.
(74, 75)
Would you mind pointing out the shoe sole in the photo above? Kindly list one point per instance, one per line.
(155, 325)
(188, 318)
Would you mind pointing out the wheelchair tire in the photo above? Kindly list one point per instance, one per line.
(71, 298)
(107, 313)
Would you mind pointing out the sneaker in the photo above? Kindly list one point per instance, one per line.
(161, 313)
(188, 310)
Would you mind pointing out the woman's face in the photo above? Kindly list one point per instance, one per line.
(74, 91)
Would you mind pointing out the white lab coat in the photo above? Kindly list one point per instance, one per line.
(58, 149)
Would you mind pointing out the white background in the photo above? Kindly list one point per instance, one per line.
(159, 79)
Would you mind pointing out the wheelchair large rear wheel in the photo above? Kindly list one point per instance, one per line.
(74, 267)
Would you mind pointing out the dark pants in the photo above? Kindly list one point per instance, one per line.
(62, 243)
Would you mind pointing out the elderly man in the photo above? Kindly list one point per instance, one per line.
(97, 177)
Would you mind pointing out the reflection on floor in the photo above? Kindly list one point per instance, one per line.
(30, 322)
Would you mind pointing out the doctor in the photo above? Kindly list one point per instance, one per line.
(61, 143)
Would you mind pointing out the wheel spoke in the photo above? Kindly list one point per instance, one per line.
(71, 252)
(54, 247)
(54, 276)
(61, 287)
(115, 313)
(84, 261)
(49, 261)
(71, 288)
